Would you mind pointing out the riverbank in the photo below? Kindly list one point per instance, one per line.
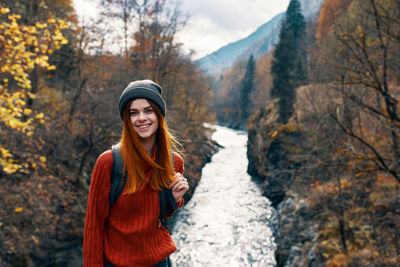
(196, 156)
(275, 156)
(334, 207)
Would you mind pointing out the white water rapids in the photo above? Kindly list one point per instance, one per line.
(227, 221)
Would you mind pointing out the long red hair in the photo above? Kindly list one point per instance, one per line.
(135, 156)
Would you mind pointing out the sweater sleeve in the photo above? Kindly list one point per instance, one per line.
(179, 164)
(97, 211)
(179, 167)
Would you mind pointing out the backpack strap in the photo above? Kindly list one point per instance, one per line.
(167, 201)
(118, 180)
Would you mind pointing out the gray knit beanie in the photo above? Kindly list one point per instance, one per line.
(142, 89)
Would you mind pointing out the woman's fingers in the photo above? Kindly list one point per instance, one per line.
(178, 180)
(180, 183)
(181, 186)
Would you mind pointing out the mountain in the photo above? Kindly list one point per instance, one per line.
(257, 43)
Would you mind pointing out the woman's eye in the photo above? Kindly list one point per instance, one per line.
(149, 111)
(133, 113)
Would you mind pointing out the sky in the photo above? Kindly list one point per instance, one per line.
(213, 23)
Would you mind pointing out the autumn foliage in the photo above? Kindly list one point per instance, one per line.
(335, 166)
(330, 10)
(23, 49)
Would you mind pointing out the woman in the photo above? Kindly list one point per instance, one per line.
(128, 233)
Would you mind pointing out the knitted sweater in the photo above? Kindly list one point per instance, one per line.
(128, 234)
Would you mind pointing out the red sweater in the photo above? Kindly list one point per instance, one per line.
(128, 233)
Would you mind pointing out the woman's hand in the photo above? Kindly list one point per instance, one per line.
(179, 187)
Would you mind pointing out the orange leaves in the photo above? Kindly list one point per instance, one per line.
(35, 239)
(330, 188)
(338, 260)
(386, 181)
(330, 10)
(19, 209)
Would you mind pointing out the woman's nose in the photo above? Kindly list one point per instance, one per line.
(141, 116)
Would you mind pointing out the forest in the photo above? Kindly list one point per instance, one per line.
(326, 146)
(320, 110)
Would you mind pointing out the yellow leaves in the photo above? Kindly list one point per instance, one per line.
(13, 123)
(27, 46)
(32, 96)
(42, 61)
(41, 25)
(23, 48)
(5, 152)
(274, 134)
(290, 127)
(64, 41)
(19, 209)
(4, 10)
(52, 67)
(27, 111)
(10, 165)
(63, 24)
(39, 116)
(6, 162)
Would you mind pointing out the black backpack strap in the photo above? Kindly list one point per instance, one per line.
(117, 186)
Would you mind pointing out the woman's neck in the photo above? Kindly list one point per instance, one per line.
(148, 145)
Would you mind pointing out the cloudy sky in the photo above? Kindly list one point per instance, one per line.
(214, 23)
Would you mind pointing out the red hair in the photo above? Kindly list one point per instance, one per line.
(135, 156)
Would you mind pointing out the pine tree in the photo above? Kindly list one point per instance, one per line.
(288, 65)
(245, 90)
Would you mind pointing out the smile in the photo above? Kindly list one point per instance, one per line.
(145, 126)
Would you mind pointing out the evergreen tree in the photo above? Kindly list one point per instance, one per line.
(288, 65)
(245, 90)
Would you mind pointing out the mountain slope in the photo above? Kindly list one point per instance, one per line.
(257, 43)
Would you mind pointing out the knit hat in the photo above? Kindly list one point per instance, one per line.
(142, 89)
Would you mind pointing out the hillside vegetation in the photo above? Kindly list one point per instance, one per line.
(333, 169)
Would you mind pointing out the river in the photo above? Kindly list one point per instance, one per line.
(227, 221)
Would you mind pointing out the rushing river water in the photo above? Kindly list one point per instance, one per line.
(226, 223)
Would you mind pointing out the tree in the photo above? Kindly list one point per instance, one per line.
(363, 55)
(125, 10)
(227, 99)
(23, 49)
(154, 41)
(330, 10)
(288, 66)
(360, 55)
(245, 90)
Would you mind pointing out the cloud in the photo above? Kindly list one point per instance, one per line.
(213, 24)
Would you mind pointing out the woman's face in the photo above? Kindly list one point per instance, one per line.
(144, 119)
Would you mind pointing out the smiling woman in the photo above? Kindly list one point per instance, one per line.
(144, 121)
(127, 232)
